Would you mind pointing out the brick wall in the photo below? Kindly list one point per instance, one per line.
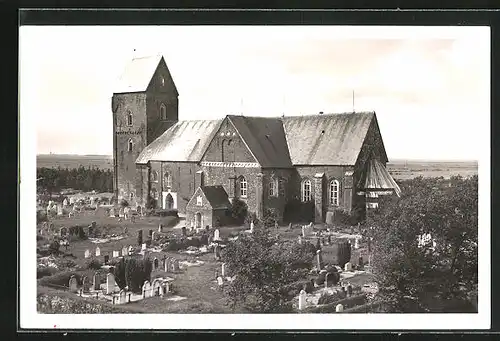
(278, 201)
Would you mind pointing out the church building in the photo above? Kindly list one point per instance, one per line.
(331, 162)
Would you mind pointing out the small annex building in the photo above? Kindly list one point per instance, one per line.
(209, 206)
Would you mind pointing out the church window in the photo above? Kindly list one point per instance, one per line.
(130, 145)
(273, 191)
(243, 187)
(129, 118)
(154, 176)
(306, 190)
(168, 179)
(281, 185)
(163, 112)
(334, 192)
(223, 145)
(154, 193)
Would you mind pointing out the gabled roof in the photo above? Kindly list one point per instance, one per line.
(184, 141)
(376, 177)
(216, 196)
(265, 137)
(327, 139)
(138, 74)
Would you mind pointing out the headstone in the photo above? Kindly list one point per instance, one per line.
(144, 246)
(116, 254)
(217, 251)
(87, 253)
(97, 251)
(216, 234)
(349, 290)
(339, 308)
(85, 284)
(220, 281)
(329, 239)
(302, 299)
(166, 264)
(59, 210)
(97, 281)
(223, 270)
(300, 239)
(65, 202)
(303, 231)
(112, 212)
(122, 297)
(106, 259)
(130, 249)
(73, 284)
(63, 231)
(132, 219)
(160, 228)
(146, 289)
(348, 266)
(175, 265)
(155, 264)
(290, 226)
(356, 243)
(124, 251)
(319, 259)
(110, 283)
(326, 280)
(120, 213)
(153, 235)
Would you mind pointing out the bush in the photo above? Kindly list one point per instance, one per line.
(124, 203)
(41, 216)
(139, 237)
(45, 271)
(342, 218)
(93, 264)
(54, 246)
(271, 216)
(166, 213)
(251, 217)
(170, 221)
(136, 272)
(239, 211)
(327, 298)
(343, 253)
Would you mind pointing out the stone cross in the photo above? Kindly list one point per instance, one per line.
(216, 234)
(110, 283)
(73, 284)
(87, 253)
(302, 299)
(339, 308)
(97, 251)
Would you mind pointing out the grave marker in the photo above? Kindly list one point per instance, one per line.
(302, 299)
(220, 281)
(97, 251)
(153, 236)
(116, 254)
(356, 243)
(112, 212)
(223, 270)
(339, 308)
(160, 228)
(110, 283)
(87, 253)
(144, 247)
(183, 230)
(97, 281)
(252, 226)
(124, 251)
(73, 284)
(319, 259)
(348, 266)
(85, 284)
(122, 297)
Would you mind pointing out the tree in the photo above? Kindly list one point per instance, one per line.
(120, 273)
(239, 210)
(136, 272)
(263, 268)
(415, 277)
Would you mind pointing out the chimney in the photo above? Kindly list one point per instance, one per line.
(198, 179)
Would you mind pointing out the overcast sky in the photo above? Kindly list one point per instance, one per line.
(430, 87)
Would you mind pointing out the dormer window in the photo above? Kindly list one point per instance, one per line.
(129, 118)
(163, 112)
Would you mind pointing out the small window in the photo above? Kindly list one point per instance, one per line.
(154, 176)
(129, 118)
(272, 188)
(199, 201)
(168, 179)
(162, 81)
(282, 185)
(243, 187)
(334, 193)
(130, 145)
(306, 190)
(163, 112)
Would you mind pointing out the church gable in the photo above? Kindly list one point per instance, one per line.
(227, 145)
(161, 80)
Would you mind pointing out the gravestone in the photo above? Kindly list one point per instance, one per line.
(252, 226)
(349, 290)
(153, 236)
(106, 259)
(207, 228)
(348, 266)
(290, 226)
(150, 234)
(160, 228)
(97, 251)
(302, 299)
(73, 284)
(329, 218)
(339, 308)
(97, 281)
(223, 270)
(65, 202)
(63, 231)
(126, 212)
(87, 253)
(300, 240)
(130, 249)
(175, 265)
(156, 287)
(122, 297)
(116, 254)
(216, 234)
(59, 210)
(329, 239)
(85, 284)
(356, 243)
(220, 281)
(217, 251)
(319, 259)
(146, 290)
(124, 251)
(326, 280)
(110, 283)
(120, 213)
(155, 264)
(112, 212)
(144, 247)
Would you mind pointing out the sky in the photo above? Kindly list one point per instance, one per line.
(429, 86)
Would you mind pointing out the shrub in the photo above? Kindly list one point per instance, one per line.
(54, 246)
(136, 272)
(166, 213)
(45, 271)
(124, 203)
(251, 217)
(271, 216)
(343, 253)
(151, 203)
(170, 221)
(119, 273)
(239, 211)
(93, 264)
(41, 216)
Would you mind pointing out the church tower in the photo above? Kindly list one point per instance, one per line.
(145, 104)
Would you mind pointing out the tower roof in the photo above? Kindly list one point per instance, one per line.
(138, 74)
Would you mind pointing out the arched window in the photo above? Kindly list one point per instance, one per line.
(154, 193)
(154, 176)
(334, 192)
(163, 112)
(168, 179)
(306, 190)
(281, 187)
(222, 147)
(273, 190)
(243, 187)
(129, 118)
(130, 145)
